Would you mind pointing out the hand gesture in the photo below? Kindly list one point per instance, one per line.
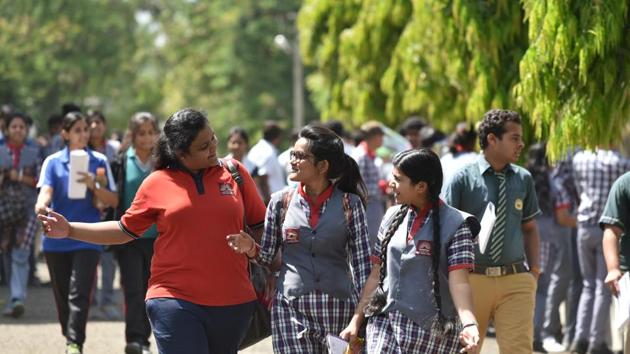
(469, 338)
(88, 179)
(612, 281)
(241, 242)
(350, 333)
(55, 225)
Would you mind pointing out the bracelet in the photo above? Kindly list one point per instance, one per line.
(469, 325)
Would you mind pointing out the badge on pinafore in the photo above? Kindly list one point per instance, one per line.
(291, 235)
(518, 204)
(424, 248)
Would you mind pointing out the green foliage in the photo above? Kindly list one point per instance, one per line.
(575, 77)
(390, 59)
(153, 55)
(564, 64)
(55, 51)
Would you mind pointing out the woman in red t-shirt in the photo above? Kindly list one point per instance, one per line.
(200, 298)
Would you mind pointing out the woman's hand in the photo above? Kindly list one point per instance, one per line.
(88, 179)
(55, 225)
(242, 243)
(469, 338)
(350, 333)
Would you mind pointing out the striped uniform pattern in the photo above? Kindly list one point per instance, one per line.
(498, 232)
(301, 325)
(393, 332)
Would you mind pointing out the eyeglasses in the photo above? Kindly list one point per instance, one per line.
(299, 156)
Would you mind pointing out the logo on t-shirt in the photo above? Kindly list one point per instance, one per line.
(424, 248)
(225, 189)
(291, 235)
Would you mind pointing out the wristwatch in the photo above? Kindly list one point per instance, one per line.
(97, 185)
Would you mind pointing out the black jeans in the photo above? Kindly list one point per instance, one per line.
(72, 275)
(134, 259)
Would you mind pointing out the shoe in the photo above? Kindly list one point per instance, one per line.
(579, 347)
(600, 349)
(111, 313)
(137, 348)
(551, 346)
(73, 348)
(15, 309)
(538, 347)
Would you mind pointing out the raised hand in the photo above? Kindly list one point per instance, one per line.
(55, 224)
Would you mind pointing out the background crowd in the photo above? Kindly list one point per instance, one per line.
(566, 199)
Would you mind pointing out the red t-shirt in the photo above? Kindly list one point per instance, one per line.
(192, 260)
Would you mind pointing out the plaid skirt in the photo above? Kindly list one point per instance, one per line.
(301, 325)
(393, 332)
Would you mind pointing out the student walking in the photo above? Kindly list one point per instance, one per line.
(19, 168)
(503, 285)
(418, 292)
(134, 258)
(72, 263)
(321, 228)
(200, 298)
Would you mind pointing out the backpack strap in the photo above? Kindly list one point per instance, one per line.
(287, 195)
(235, 174)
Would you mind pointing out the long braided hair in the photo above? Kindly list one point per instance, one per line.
(421, 165)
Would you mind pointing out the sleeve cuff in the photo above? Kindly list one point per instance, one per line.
(461, 266)
(526, 219)
(607, 220)
(127, 231)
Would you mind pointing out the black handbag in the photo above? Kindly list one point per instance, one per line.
(260, 324)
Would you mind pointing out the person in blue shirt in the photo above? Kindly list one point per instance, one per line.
(71, 263)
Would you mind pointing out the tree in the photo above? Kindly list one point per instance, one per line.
(564, 64)
(221, 57)
(450, 59)
(575, 75)
(56, 51)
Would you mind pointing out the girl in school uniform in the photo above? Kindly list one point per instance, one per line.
(417, 296)
(324, 240)
(19, 166)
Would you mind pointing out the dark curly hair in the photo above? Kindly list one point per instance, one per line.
(494, 121)
(180, 130)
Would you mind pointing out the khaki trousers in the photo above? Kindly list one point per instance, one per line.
(509, 302)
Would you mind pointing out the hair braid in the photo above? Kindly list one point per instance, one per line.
(391, 230)
(437, 250)
(379, 298)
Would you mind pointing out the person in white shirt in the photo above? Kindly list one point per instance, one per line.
(461, 152)
(265, 157)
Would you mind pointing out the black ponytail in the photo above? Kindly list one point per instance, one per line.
(179, 132)
(325, 145)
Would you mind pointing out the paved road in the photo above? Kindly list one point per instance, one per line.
(38, 331)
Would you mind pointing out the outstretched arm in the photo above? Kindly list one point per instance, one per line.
(102, 233)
